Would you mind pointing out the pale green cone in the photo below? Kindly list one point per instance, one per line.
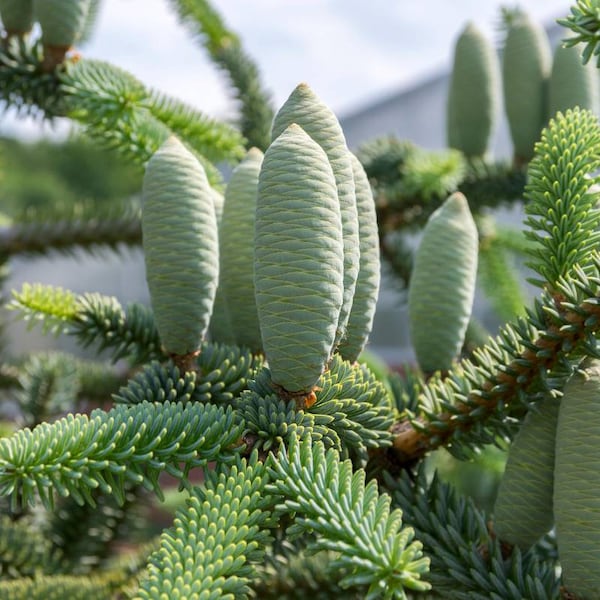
(298, 259)
(442, 284)
(364, 303)
(220, 323)
(307, 110)
(571, 82)
(523, 508)
(237, 250)
(17, 16)
(474, 94)
(181, 248)
(577, 482)
(526, 66)
(62, 21)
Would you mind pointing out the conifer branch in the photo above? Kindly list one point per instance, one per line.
(211, 547)
(52, 307)
(348, 517)
(128, 332)
(584, 22)
(33, 383)
(397, 169)
(25, 551)
(49, 385)
(352, 412)
(562, 211)
(120, 111)
(225, 49)
(38, 238)
(93, 319)
(269, 421)
(472, 405)
(478, 400)
(110, 450)
(296, 576)
(84, 534)
(212, 139)
(358, 405)
(59, 587)
(24, 85)
(495, 275)
(221, 374)
(467, 562)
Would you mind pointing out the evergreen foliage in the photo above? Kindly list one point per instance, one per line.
(209, 551)
(299, 473)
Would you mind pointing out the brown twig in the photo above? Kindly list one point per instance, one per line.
(412, 442)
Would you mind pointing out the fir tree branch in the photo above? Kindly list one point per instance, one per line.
(49, 385)
(480, 399)
(209, 550)
(290, 576)
(93, 319)
(52, 307)
(94, 381)
(491, 185)
(225, 49)
(109, 450)
(406, 190)
(67, 236)
(59, 587)
(212, 139)
(25, 551)
(348, 517)
(269, 421)
(584, 22)
(84, 534)
(562, 211)
(467, 563)
(24, 85)
(352, 412)
(222, 373)
(129, 332)
(132, 566)
(116, 109)
(473, 405)
(358, 405)
(495, 276)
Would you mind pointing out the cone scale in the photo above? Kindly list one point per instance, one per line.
(298, 261)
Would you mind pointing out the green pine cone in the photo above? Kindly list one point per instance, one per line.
(473, 98)
(360, 322)
(577, 482)
(571, 82)
(236, 250)
(62, 21)
(523, 509)
(442, 284)
(220, 323)
(181, 247)
(17, 16)
(527, 62)
(304, 108)
(298, 260)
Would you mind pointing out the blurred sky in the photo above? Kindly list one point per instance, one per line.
(350, 51)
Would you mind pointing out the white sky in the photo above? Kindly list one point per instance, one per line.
(349, 51)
